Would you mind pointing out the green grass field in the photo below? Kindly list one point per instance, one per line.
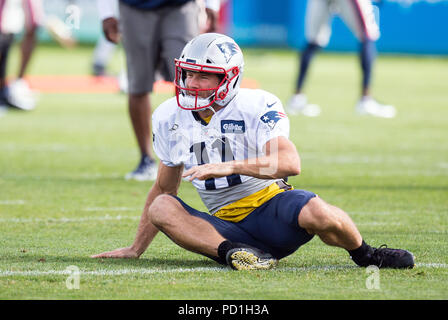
(63, 196)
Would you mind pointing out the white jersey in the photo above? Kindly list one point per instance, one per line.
(237, 132)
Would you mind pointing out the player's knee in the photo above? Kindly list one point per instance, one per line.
(317, 216)
(159, 210)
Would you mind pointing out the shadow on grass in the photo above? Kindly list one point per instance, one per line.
(28, 260)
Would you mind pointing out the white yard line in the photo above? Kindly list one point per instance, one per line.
(374, 223)
(127, 217)
(31, 273)
(48, 147)
(119, 272)
(443, 165)
(110, 209)
(12, 202)
(64, 219)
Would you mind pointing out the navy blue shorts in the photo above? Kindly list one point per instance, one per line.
(273, 227)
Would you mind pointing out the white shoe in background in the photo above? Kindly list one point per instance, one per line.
(369, 106)
(21, 96)
(145, 171)
(298, 104)
(123, 81)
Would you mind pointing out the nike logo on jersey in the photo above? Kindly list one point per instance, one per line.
(270, 105)
(233, 126)
(272, 117)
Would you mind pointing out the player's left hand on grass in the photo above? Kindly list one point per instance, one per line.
(209, 170)
(123, 253)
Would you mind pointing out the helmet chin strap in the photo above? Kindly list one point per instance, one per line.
(209, 99)
(212, 109)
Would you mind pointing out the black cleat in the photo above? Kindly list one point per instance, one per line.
(384, 257)
(250, 259)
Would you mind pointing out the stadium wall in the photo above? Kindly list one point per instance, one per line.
(407, 26)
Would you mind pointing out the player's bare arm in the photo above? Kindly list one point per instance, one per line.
(212, 20)
(280, 160)
(167, 182)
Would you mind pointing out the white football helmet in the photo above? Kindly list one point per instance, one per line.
(211, 53)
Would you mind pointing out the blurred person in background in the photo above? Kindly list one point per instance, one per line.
(154, 34)
(102, 55)
(104, 49)
(359, 16)
(16, 15)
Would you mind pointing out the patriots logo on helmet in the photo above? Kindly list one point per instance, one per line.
(272, 117)
(228, 49)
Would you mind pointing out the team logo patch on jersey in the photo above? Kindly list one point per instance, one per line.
(228, 49)
(233, 126)
(272, 117)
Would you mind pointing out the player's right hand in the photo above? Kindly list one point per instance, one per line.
(212, 21)
(123, 253)
(111, 30)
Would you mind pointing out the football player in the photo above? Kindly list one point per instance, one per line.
(233, 144)
(358, 15)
